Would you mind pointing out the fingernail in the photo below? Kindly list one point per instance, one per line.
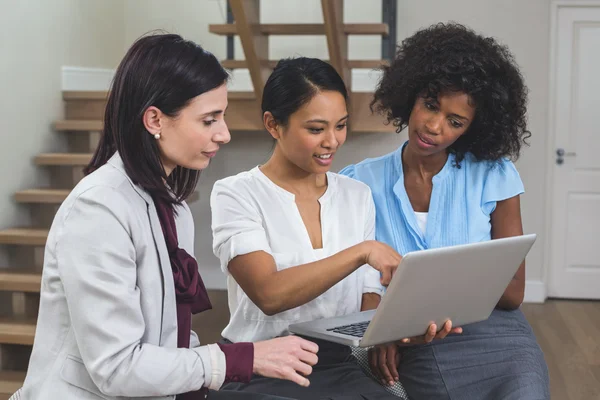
(391, 383)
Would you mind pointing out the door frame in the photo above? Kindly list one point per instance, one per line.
(555, 6)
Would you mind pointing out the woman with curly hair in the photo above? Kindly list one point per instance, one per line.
(463, 100)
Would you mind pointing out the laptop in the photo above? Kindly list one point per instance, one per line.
(462, 283)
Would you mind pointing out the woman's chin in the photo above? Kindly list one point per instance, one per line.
(197, 165)
(416, 148)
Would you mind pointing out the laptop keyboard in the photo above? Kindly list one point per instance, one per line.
(357, 329)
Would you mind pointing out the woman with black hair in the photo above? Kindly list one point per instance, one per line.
(463, 100)
(296, 240)
(120, 280)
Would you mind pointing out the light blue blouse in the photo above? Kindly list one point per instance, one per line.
(462, 200)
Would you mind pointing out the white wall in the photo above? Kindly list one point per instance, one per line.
(522, 25)
(36, 39)
(189, 18)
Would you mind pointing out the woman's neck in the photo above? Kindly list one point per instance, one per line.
(292, 178)
(424, 167)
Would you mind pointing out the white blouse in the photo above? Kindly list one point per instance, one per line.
(251, 213)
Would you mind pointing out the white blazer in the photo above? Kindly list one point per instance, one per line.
(107, 323)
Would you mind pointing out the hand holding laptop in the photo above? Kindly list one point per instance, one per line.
(383, 358)
(431, 334)
(430, 286)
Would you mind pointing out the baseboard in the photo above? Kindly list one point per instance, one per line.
(535, 292)
(86, 79)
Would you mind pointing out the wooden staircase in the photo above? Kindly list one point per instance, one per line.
(10, 382)
(20, 280)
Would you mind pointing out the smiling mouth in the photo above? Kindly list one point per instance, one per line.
(324, 156)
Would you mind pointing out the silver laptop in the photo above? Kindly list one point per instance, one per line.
(461, 283)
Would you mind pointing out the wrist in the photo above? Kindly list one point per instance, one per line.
(364, 249)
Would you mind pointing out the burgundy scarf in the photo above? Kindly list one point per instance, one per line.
(190, 294)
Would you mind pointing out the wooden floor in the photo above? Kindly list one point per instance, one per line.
(569, 334)
(567, 331)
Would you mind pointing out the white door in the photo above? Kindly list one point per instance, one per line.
(574, 256)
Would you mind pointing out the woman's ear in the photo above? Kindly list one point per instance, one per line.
(272, 126)
(152, 120)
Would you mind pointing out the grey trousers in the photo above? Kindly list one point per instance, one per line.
(497, 359)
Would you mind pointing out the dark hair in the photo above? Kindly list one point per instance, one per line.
(295, 81)
(447, 58)
(165, 71)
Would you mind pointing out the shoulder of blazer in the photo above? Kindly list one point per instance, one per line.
(108, 188)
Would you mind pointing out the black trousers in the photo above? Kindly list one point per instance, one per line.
(337, 376)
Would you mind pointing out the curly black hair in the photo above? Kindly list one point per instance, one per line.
(449, 58)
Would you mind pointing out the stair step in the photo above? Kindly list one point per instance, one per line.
(24, 236)
(20, 280)
(367, 64)
(371, 64)
(75, 125)
(84, 95)
(65, 159)
(241, 96)
(42, 196)
(303, 29)
(17, 331)
(10, 382)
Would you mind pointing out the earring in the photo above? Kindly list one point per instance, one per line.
(157, 136)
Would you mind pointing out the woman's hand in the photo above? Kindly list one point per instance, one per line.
(383, 258)
(289, 358)
(384, 359)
